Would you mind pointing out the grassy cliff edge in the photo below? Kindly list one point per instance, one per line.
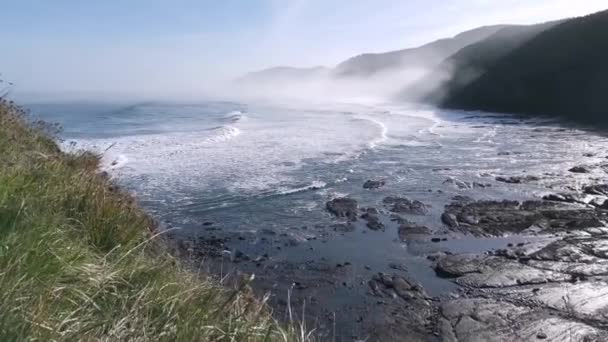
(79, 259)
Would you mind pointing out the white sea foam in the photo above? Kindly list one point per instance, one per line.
(315, 185)
(246, 152)
(223, 133)
(118, 162)
(341, 180)
(487, 136)
(235, 116)
(383, 136)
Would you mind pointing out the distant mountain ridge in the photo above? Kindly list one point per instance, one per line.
(557, 68)
(425, 56)
(365, 65)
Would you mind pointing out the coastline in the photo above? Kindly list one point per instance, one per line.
(82, 260)
(394, 259)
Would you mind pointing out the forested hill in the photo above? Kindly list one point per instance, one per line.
(561, 71)
(472, 61)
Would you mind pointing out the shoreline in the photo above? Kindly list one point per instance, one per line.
(417, 261)
(82, 259)
(529, 254)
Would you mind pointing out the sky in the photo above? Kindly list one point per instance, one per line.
(188, 46)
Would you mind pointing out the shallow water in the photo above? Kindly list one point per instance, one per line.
(253, 168)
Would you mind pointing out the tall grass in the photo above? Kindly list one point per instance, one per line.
(79, 259)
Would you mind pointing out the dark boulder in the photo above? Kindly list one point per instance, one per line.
(580, 169)
(449, 220)
(517, 179)
(496, 218)
(343, 227)
(410, 231)
(458, 183)
(373, 221)
(343, 207)
(406, 206)
(373, 184)
(598, 189)
(567, 198)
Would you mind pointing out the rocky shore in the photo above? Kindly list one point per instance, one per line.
(548, 282)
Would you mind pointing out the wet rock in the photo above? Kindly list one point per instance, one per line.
(462, 199)
(598, 203)
(373, 221)
(517, 179)
(384, 285)
(291, 242)
(410, 231)
(343, 227)
(576, 256)
(406, 206)
(436, 256)
(372, 211)
(487, 218)
(211, 246)
(569, 198)
(398, 219)
(556, 198)
(481, 185)
(579, 169)
(373, 184)
(458, 183)
(406, 313)
(449, 220)
(493, 272)
(238, 256)
(583, 299)
(469, 219)
(403, 288)
(343, 207)
(397, 266)
(452, 266)
(551, 289)
(445, 330)
(598, 189)
(488, 319)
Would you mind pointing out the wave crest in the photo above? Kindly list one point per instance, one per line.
(235, 116)
(223, 133)
(315, 185)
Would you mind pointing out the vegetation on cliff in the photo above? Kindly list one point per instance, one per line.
(80, 260)
(562, 71)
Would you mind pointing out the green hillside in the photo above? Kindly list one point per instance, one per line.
(80, 261)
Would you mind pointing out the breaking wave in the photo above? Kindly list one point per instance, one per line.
(315, 185)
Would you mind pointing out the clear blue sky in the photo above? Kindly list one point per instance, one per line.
(141, 46)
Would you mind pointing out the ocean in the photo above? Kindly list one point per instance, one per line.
(260, 174)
